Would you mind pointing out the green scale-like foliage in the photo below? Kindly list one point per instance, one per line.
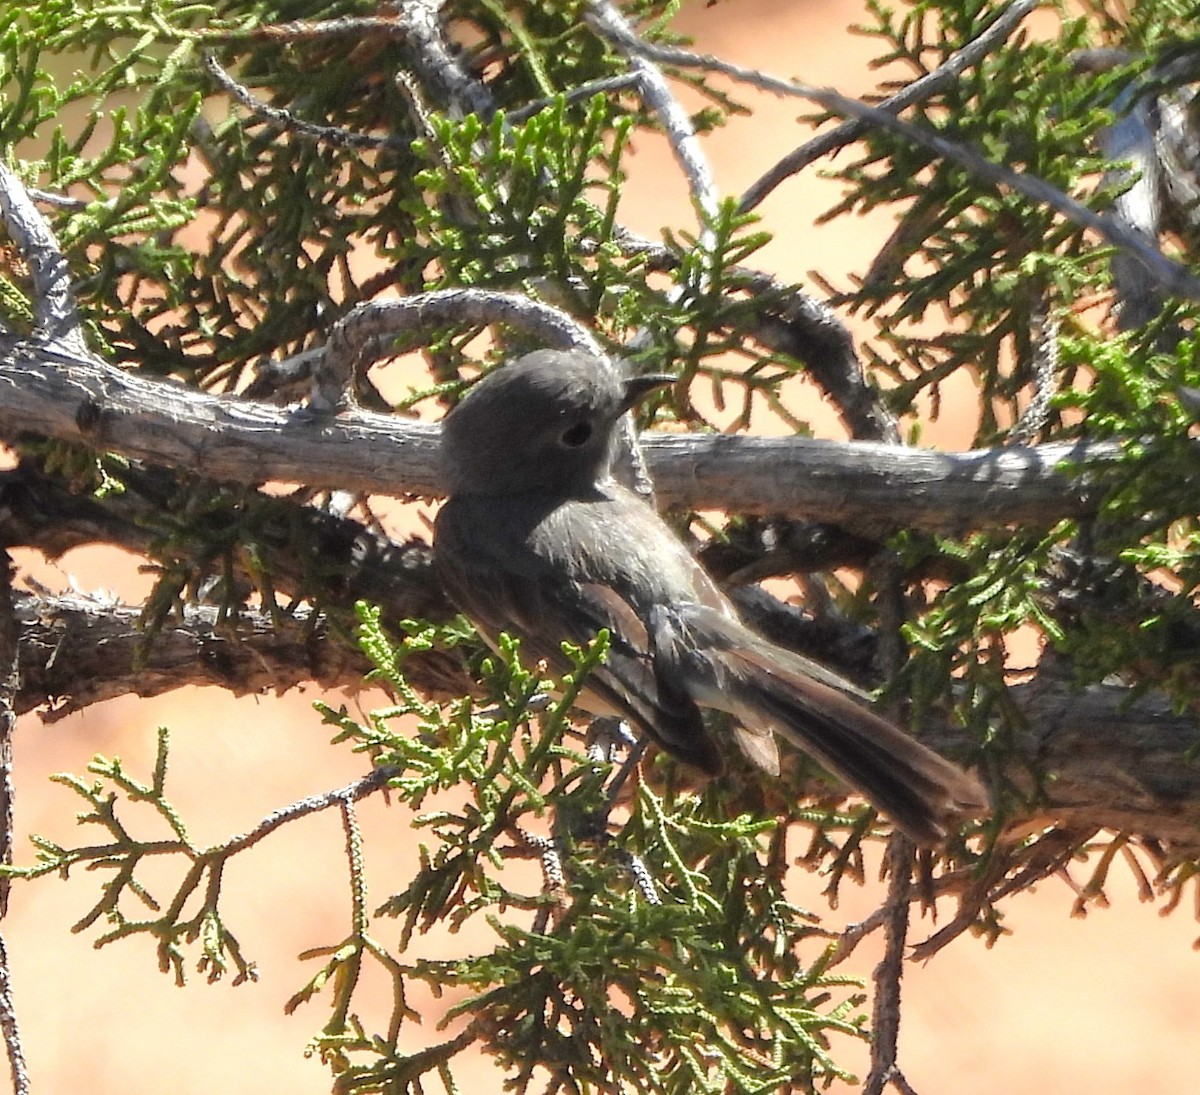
(649, 945)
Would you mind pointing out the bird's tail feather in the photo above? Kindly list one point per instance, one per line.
(768, 688)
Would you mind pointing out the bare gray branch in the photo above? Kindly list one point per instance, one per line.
(53, 295)
(657, 93)
(918, 91)
(369, 331)
(861, 485)
(1173, 277)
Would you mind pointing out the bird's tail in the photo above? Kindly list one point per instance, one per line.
(767, 688)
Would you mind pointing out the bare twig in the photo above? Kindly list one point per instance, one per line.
(8, 1027)
(918, 91)
(1047, 856)
(360, 27)
(62, 201)
(885, 1014)
(375, 780)
(1045, 377)
(900, 1082)
(1173, 277)
(622, 82)
(422, 115)
(9, 687)
(611, 24)
(898, 859)
(369, 331)
(849, 938)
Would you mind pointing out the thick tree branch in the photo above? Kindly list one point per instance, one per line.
(1108, 763)
(46, 392)
(51, 388)
(866, 486)
(77, 651)
(307, 551)
(1112, 762)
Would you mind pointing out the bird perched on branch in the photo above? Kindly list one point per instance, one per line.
(537, 539)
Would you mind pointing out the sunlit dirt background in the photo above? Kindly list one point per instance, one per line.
(1101, 1005)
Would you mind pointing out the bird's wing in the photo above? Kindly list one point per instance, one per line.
(503, 585)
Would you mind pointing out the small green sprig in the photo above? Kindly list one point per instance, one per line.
(668, 903)
(123, 854)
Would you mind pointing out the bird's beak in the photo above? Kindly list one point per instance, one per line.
(638, 387)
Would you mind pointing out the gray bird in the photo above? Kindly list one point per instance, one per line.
(537, 539)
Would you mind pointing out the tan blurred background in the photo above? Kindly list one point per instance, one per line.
(1101, 1005)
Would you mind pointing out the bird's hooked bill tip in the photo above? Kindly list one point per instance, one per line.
(637, 387)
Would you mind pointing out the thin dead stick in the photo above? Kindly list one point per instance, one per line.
(918, 91)
(1175, 278)
(656, 92)
(286, 120)
(9, 686)
(885, 1015)
(374, 781)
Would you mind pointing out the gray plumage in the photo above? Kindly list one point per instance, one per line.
(537, 539)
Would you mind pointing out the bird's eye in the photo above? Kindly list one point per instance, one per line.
(577, 435)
